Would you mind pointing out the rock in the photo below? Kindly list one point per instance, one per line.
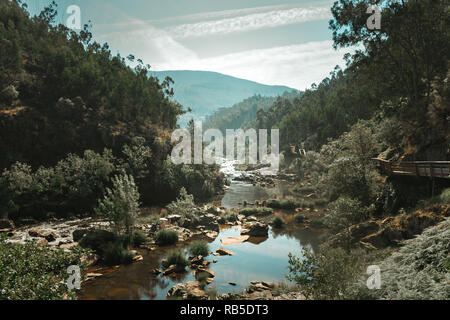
(47, 235)
(187, 291)
(155, 271)
(89, 259)
(68, 246)
(234, 240)
(42, 242)
(209, 221)
(138, 258)
(6, 224)
(206, 271)
(197, 260)
(232, 283)
(174, 218)
(224, 252)
(78, 234)
(93, 275)
(255, 229)
(171, 269)
(212, 235)
(214, 261)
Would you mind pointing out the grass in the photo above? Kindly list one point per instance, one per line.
(115, 254)
(166, 237)
(228, 217)
(256, 211)
(136, 239)
(278, 223)
(304, 190)
(199, 248)
(177, 258)
(282, 204)
(201, 278)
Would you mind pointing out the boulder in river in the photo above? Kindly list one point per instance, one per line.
(187, 291)
(234, 240)
(255, 229)
(47, 235)
(224, 252)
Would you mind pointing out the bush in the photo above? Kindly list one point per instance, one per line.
(299, 218)
(419, 270)
(202, 279)
(98, 240)
(256, 211)
(326, 274)
(199, 248)
(177, 258)
(185, 207)
(30, 272)
(282, 204)
(137, 238)
(115, 254)
(166, 237)
(120, 204)
(278, 223)
(445, 196)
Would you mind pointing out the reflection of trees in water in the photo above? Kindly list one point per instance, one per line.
(303, 236)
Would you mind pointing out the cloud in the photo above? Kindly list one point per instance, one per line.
(297, 66)
(250, 22)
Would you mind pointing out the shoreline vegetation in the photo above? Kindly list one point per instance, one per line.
(82, 168)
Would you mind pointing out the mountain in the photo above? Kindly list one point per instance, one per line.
(205, 92)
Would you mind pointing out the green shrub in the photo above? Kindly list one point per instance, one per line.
(256, 211)
(30, 272)
(120, 204)
(304, 190)
(177, 258)
(185, 207)
(228, 217)
(419, 270)
(115, 254)
(166, 237)
(136, 239)
(445, 196)
(282, 204)
(299, 218)
(278, 223)
(199, 248)
(98, 240)
(326, 274)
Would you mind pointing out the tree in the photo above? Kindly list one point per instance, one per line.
(120, 204)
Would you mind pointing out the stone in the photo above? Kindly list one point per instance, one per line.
(155, 271)
(187, 291)
(234, 240)
(138, 258)
(68, 246)
(232, 283)
(42, 242)
(224, 252)
(171, 269)
(93, 275)
(6, 224)
(78, 234)
(212, 235)
(47, 235)
(255, 229)
(209, 221)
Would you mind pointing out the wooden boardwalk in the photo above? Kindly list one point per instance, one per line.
(432, 169)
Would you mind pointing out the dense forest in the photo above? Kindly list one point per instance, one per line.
(72, 115)
(242, 115)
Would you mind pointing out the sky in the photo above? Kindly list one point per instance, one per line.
(276, 42)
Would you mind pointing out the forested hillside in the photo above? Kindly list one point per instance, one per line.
(72, 115)
(243, 114)
(205, 92)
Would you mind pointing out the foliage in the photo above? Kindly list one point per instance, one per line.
(166, 237)
(418, 270)
(256, 211)
(199, 248)
(136, 239)
(120, 204)
(72, 186)
(115, 254)
(325, 274)
(184, 206)
(177, 258)
(278, 223)
(30, 272)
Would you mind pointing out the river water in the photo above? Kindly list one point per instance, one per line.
(259, 259)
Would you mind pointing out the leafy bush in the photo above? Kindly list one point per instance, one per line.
(166, 237)
(325, 274)
(115, 254)
(419, 270)
(177, 258)
(185, 207)
(137, 238)
(72, 186)
(445, 196)
(256, 211)
(98, 240)
(30, 272)
(282, 204)
(278, 223)
(120, 204)
(199, 248)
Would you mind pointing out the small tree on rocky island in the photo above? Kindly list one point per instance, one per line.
(120, 204)
(184, 206)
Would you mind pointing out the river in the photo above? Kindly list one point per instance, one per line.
(260, 259)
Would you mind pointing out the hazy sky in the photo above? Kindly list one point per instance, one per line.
(283, 42)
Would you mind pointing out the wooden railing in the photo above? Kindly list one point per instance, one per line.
(433, 169)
